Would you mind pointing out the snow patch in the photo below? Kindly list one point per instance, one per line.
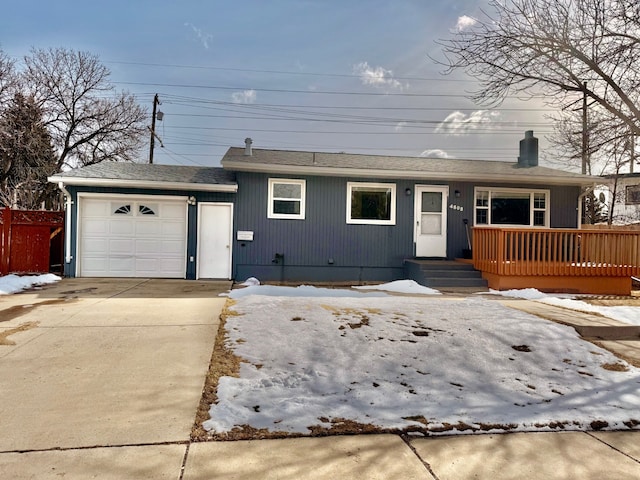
(14, 283)
(401, 286)
(625, 314)
(300, 291)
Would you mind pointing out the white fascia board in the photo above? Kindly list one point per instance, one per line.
(404, 174)
(149, 184)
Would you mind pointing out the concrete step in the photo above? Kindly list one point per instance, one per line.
(439, 282)
(443, 265)
(452, 273)
(444, 273)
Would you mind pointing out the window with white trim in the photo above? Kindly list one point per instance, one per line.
(371, 203)
(286, 198)
(511, 207)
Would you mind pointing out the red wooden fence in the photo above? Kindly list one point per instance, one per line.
(31, 239)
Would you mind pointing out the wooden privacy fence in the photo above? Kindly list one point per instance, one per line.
(32, 241)
(564, 252)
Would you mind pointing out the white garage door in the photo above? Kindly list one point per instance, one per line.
(127, 236)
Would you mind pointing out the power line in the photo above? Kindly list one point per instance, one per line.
(284, 72)
(308, 92)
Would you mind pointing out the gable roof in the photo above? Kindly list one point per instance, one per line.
(378, 166)
(152, 176)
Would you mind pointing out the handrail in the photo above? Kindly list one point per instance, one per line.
(558, 252)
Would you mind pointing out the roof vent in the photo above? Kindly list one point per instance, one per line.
(247, 147)
(528, 150)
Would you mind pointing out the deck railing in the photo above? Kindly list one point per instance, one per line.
(557, 252)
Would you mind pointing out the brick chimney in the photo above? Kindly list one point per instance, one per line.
(528, 150)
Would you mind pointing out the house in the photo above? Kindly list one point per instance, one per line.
(626, 199)
(302, 216)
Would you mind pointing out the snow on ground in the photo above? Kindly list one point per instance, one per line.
(13, 283)
(300, 291)
(625, 314)
(401, 286)
(432, 363)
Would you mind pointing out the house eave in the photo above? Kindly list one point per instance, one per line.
(403, 174)
(146, 184)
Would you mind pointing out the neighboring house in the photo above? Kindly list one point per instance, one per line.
(302, 216)
(626, 200)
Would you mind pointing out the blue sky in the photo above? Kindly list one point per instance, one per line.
(333, 75)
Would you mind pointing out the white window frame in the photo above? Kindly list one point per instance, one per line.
(532, 208)
(302, 200)
(364, 221)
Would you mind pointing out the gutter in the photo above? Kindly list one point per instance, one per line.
(67, 223)
(152, 185)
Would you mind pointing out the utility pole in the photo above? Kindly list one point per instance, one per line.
(156, 102)
(585, 134)
(633, 152)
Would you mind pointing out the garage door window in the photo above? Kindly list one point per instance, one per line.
(147, 210)
(121, 209)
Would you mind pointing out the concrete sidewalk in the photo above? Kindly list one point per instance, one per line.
(619, 338)
(105, 379)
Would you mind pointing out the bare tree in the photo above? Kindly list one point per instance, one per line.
(88, 120)
(8, 78)
(556, 49)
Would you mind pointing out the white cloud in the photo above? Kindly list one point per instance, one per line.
(458, 123)
(465, 22)
(377, 77)
(435, 153)
(246, 96)
(205, 38)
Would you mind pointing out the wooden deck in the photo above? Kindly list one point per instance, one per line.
(558, 260)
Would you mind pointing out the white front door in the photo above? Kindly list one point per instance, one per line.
(431, 220)
(215, 232)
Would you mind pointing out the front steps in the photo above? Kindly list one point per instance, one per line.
(440, 274)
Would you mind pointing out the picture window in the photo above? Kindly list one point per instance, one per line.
(371, 203)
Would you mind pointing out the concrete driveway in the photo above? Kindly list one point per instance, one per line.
(105, 377)
(97, 362)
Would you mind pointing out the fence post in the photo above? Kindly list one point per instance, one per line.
(6, 241)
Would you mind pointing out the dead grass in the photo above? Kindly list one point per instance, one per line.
(615, 367)
(612, 300)
(223, 363)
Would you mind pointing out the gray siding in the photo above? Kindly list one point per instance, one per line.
(564, 207)
(323, 244)
(323, 247)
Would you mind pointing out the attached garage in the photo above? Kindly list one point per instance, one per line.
(132, 236)
(148, 221)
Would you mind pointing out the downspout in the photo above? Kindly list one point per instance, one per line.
(67, 223)
(586, 192)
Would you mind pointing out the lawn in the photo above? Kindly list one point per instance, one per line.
(328, 362)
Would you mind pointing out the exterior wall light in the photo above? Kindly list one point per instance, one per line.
(407, 192)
